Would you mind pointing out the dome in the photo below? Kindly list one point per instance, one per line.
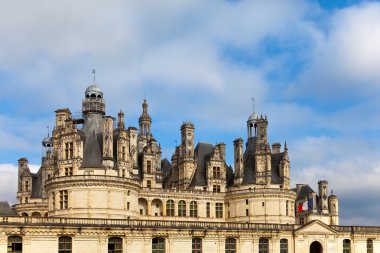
(252, 117)
(93, 91)
(47, 142)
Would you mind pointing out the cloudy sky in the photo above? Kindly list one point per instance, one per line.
(312, 66)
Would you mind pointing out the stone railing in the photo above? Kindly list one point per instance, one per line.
(356, 229)
(92, 178)
(136, 224)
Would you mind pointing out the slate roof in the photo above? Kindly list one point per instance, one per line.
(93, 144)
(6, 210)
(203, 152)
(37, 184)
(249, 163)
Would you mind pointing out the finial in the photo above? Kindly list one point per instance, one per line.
(253, 104)
(286, 146)
(93, 72)
(48, 131)
(332, 192)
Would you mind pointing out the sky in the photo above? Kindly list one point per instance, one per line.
(312, 67)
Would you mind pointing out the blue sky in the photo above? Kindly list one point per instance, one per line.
(312, 67)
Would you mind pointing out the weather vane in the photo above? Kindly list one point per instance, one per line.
(253, 104)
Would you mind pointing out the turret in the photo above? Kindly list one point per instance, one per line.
(261, 130)
(145, 121)
(120, 122)
(323, 201)
(334, 209)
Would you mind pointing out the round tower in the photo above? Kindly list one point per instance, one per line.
(334, 209)
(145, 121)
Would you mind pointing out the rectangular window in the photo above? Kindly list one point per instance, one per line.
(230, 245)
(208, 209)
(216, 188)
(148, 183)
(64, 244)
(68, 171)
(369, 246)
(246, 212)
(14, 244)
(196, 245)
(26, 200)
(123, 154)
(170, 208)
(53, 200)
(115, 245)
(69, 150)
(302, 221)
(63, 199)
(219, 210)
(283, 246)
(287, 208)
(246, 201)
(263, 245)
(149, 167)
(128, 205)
(216, 172)
(26, 185)
(346, 246)
(158, 245)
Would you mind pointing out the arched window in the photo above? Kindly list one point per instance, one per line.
(263, 245)
(196, 245)
(182, 208)
(115, 245)
(284, 246)
(158, 245)
(193, 209)
(346, 246)
(369, 246)
(170, 208)
(230, 245)
(65, 244)
(15, 244)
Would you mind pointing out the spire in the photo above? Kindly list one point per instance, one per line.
(253, 105)
(93, 72)
(145, 120)
(285, 146)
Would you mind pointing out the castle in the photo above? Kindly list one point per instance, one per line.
(104, 187)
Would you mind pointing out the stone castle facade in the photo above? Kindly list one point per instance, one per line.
(104, 187)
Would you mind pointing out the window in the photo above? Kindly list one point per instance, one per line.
(219, 210)
(284, 246)
(193, 209)
(26, 200)
(123, 153)
(302, 220)
(246, 212)
(149, 167)
(64, 244)
(369, 246)
(196, 245)
(246, 202)
(14, 244)
(148, 183)
(68, 171)
(346, 246)
(263, 204)
(26, 185)
(230, 245)
(182, 208)
(128, 205)
(216, 188)
(263, 245)
(123, 173)
(208, 209)
(69, 150)
(115, 245)
(63, 200)
(158, 245)
(53, 200)
(170, 208)
(216, 172)
(287, 208)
